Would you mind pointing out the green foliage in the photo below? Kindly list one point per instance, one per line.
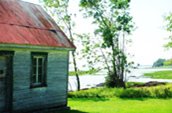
(94, 93)
(161, 91)
(121, 4)
(89, 3)
(162, 62)
(112, 19)
(168, 62)
(168, 27)
(117, 105)
(160, 74)
(111, 81)
(89, 72)
(90, 51)
(134, 93)
(51, 3)
(60, 10)
(158, 63)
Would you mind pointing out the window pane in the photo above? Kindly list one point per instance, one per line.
(40, 61)
(34, 70)
(34, 78)
(40, 74)
(34, 61)
(39, 78)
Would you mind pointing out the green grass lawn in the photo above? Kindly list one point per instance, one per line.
(88, 72)
(117, 105)
(157, 99)
(160, 74)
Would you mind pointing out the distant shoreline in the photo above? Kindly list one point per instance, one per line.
(150, 67)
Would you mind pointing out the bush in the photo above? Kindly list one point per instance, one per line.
(94, 93)
(162, 91)
(113, 81)
(134, 93)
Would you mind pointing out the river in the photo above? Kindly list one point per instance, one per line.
(136, 75)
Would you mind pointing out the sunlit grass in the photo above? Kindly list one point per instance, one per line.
(160, 74)
(117, 100)
(117, 105)
(160, 91)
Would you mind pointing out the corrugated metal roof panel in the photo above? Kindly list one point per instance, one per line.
(27, 23)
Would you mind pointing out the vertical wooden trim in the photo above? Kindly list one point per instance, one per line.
(37, 70)
(10, 107)
(45, 71)
(31, 69)
(9, 80)
(67, 78)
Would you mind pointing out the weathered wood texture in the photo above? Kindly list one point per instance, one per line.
(2, 83)
(53, 95)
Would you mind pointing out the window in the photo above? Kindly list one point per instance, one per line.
(38, 73)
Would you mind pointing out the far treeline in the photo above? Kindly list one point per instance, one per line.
(162, 62)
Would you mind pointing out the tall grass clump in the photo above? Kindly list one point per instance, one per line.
(134, 93)
(102, 92)
(161, 91)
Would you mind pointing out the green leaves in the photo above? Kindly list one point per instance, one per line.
(111, 16)
(52, 3)
(125, 23)
(168, 28)
(168, 19)
(67, 18)
(120, 4)
(113, 19)
(89, 3)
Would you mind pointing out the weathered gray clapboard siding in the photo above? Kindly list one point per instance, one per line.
(55, 94)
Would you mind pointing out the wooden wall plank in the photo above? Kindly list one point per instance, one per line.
(56, 91)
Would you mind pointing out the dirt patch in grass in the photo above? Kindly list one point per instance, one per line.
(149, 84)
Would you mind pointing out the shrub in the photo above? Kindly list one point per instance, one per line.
(162, 91)
(93, 93)
(134, 93)
(112, 81)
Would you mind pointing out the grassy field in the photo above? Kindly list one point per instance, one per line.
(117, 105)
(160, 74)
(157, 99)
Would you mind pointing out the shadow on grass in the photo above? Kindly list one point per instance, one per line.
(89, 99)
(70, 111)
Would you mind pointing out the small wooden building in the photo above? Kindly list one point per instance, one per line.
(34, 54)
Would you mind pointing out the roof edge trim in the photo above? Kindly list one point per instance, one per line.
(17, 46)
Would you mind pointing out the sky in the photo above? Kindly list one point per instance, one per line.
(149, 36)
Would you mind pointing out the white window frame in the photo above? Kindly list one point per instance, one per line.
(36, 82)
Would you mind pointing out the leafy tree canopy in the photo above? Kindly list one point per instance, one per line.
(113, 21)
(168, 28)
(159, 62)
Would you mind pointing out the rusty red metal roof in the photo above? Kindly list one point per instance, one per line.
(28, 24)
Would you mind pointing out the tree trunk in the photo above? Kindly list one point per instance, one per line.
(118, 67)
(74, 59)
(76, 71)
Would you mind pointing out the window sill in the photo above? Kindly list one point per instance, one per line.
(38, 85)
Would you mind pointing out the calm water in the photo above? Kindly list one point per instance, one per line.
(136, 75)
